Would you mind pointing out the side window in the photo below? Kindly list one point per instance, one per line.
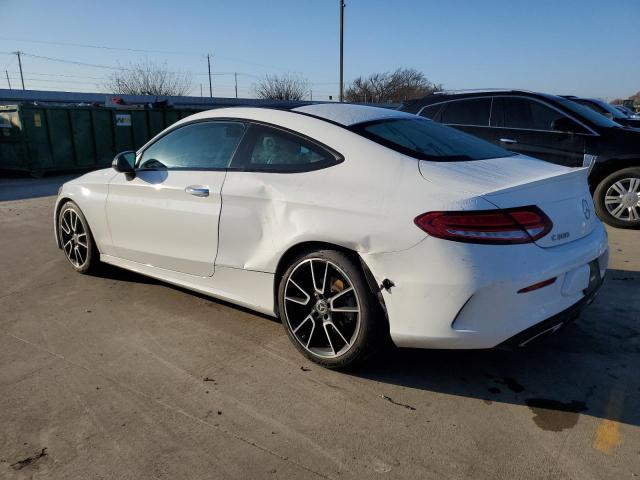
(593, 106)
(431, 112)
(269, 148)
(467, 112)
(528, 114)
(198, 146)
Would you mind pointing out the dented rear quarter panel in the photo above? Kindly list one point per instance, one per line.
(366, 203)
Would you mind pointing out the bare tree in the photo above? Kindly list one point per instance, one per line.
(148, 78)
(281, 87)
(403, 84)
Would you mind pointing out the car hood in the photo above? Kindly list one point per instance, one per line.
(630, 122)
(561, 192)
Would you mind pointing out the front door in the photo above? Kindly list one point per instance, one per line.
(529, 127)
(167, 215)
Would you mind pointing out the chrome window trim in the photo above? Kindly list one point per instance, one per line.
(513, 128)
(493, 97)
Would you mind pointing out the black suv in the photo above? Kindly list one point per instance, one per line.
(555, 129)
(609, 111)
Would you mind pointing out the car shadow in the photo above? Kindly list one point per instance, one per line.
(589, 367)
(111, 272)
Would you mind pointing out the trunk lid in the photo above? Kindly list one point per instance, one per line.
(561, 193)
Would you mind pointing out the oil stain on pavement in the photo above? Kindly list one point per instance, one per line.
(553, 415)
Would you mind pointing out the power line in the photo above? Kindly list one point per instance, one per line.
(11, 59)
(111, 67)
(139, 50)
(54, 81)
(73, 62)
(63, 75)
(100, 47)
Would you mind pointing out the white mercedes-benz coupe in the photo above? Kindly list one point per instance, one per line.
(353, 224)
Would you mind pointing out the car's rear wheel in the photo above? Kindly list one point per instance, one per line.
(328, 310)
(76, 239)
(617, 198)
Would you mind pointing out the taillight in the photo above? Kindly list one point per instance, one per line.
(513, 225)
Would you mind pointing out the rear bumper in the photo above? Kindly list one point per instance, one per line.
(464, 296)
(551, 325)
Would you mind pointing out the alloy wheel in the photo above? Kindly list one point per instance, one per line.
(623, 199)
(322, 308)
(74, 238)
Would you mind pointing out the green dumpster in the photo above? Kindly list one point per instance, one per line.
(37, 139)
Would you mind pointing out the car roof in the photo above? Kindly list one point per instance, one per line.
(444, 96)
(348, 114)
(341, 114)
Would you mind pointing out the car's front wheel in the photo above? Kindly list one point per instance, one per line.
(617, 198)
(76, 239)
(328, 310)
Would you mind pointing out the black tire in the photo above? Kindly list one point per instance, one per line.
(76, 239)
(624, 220)
(350, 341)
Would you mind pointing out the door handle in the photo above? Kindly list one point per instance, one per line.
(197, 190)
(508, 140)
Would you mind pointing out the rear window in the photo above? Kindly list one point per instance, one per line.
(427, 140)
(473, 112)
(431, 111)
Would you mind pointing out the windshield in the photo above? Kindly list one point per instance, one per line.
(609, 108)
(586, 113)
(427, 140)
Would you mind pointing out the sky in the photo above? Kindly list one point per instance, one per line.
(581, 47)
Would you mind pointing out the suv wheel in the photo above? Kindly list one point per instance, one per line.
(617, 198)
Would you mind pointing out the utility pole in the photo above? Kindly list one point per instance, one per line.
(200, 90)
(311, 92)
(8, 81)
(210, 86)
(18, 53)
(342, 5)
(235, 74)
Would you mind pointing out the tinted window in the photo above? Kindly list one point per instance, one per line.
(428, 140)
(430, 111)
(528, 114)
(586, 113)
(273, 149)
(467, 112)
(593, 106)
(199, 145)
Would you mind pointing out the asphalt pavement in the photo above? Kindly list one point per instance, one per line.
(119, 376)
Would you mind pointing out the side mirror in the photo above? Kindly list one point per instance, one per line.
(125, 163)
(564, 124)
